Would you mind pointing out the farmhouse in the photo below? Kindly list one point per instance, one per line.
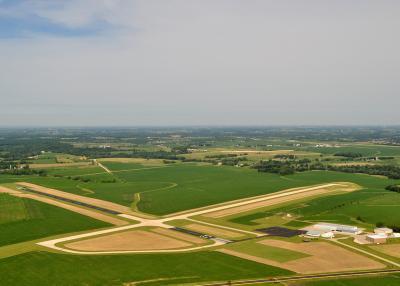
(376, 238)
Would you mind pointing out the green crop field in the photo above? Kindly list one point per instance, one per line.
(24, 219)
(116, 166)
(14, 209)
(74, 171)
(388, 280)
(41, 268)
(186, 186)
(199, 186)
(265, 251)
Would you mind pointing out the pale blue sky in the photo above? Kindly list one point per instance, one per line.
(203, 62)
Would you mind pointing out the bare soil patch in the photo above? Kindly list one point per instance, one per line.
(91, 201)
(325, 257)
(389, 249)
(128, 240)
(55, 165)
(213, 230)
(179, 235)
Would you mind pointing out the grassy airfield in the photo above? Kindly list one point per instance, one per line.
(166, 189)
(158, 188)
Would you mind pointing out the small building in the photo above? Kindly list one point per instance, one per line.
(314, 233)
(348, 229)
(325, 226)
(396, 235)
(337, 227)
(383, 230)
(328, 234)
(376, 238)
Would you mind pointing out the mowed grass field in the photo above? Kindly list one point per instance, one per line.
(42, 268)
(24, 219)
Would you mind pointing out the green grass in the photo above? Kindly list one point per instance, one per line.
(250, 218)
(365, 208)
(29, 220)
(186, 186)
(199, 186)
(41, 268)
(13, 209)
(265, 251)
(74, 171)
(387, 280)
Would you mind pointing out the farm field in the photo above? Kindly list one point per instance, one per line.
(187, 186)
(101, 270)
(257, 249)
(152, 239)
(384, 280)
(31, 220)
(392, 249)
(194, 186)
(305, 258)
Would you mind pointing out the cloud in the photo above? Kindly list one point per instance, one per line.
(61, 18)
(202, 62)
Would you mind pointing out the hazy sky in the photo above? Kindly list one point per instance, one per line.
(216, 62)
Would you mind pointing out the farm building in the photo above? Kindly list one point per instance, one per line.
(376, 238)
(328, 234)
(337, 227)
(383, 230)
(319, 233)
(314, 233)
